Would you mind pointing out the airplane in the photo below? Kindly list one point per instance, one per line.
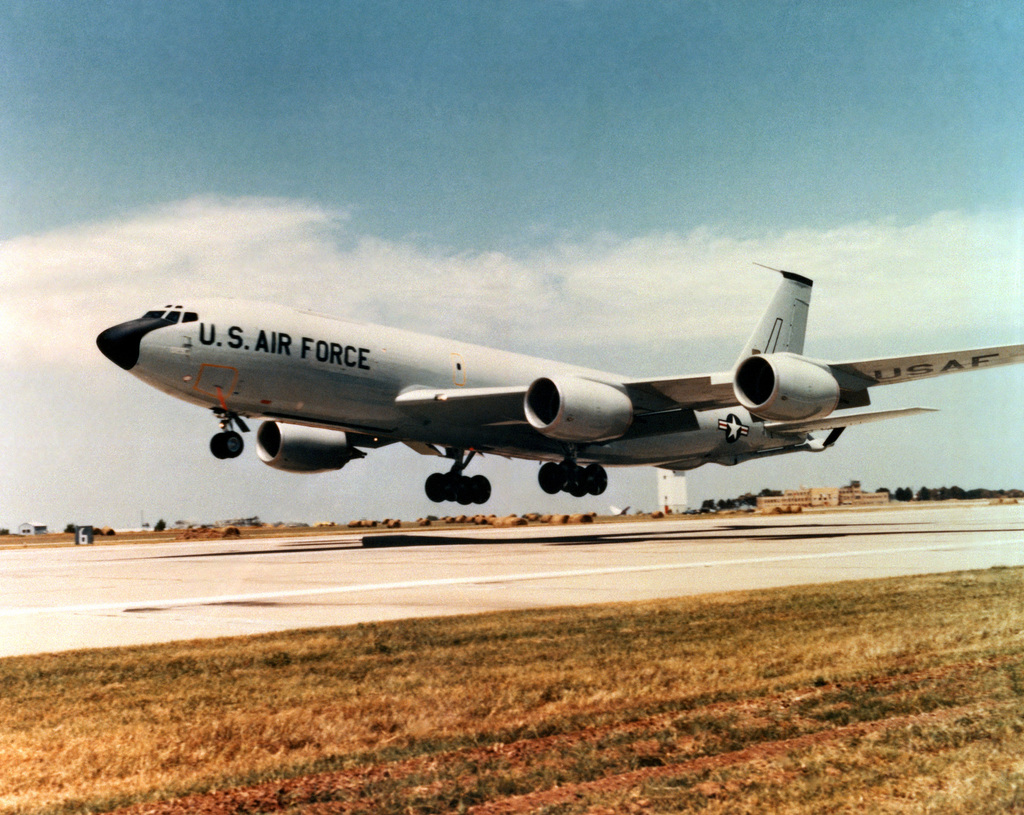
(329, 389)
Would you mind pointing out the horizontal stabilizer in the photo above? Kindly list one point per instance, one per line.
(836, 420)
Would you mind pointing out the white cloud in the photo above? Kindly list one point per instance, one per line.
(953, 274)
(635, 304)
(63, 287)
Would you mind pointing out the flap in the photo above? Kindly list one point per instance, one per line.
(472, 406)
(701, 392)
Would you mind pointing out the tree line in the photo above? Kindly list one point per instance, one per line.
(947, 494)
(749, 499)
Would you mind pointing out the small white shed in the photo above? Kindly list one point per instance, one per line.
(32, 529)
(672, 491)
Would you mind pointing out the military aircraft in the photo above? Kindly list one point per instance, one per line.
(330, 389)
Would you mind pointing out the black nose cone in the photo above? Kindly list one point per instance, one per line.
(120, 343)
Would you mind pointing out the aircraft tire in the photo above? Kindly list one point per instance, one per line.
(451, 487)
(552, 477)
(227, 445)
(596, 479)
(233, 444)
(464, 490)
(442, 487)
(577, 486)
(481, 488)
(436, 487)
(217, 446)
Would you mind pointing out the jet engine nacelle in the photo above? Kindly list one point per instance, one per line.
(577, 410)
(785, 387)
(298, 449)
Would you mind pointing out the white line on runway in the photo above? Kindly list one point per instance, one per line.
(478, 580)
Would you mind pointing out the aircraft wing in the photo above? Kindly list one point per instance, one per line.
(709, 391)
(891, 370)
(471, 406)
(701, 392)
(503, 406)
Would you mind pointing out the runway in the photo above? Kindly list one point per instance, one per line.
(57, 599)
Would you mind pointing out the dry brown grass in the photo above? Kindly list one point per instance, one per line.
(898, 695)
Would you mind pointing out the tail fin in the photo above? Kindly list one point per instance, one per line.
(784, 322)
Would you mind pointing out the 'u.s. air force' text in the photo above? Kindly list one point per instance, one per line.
(278, 342)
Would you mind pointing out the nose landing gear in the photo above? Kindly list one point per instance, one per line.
(454, 486)
(228, 443)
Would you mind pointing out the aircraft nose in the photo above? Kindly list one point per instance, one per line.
(120, 343)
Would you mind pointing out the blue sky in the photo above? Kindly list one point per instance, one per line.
(588, 181)
(479, 125)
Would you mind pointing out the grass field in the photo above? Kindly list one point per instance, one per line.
(896, 695)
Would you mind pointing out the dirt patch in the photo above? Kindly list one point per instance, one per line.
(202, 534)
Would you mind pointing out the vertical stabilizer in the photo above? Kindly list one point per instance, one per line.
(784, 322)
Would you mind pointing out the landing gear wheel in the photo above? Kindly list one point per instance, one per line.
(464, 490)
(451, 486)
(233, 444)
(454, 487)
(596, 479)
(576, 485)
(217, 446)
(569, 477)
(552, 477)
(227, 445)
(436, 487)
(481, 489)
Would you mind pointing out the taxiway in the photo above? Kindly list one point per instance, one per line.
(64, 598)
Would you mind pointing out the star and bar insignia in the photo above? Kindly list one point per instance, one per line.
(733, 428)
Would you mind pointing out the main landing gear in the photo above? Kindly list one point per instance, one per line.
(570, 477)
(228, 443)
(454, 486)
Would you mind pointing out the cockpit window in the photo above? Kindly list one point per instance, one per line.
(172, 314)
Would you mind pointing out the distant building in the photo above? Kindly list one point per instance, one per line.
(672, 491)
(32, 529)
(809, 498)
(253, 521)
